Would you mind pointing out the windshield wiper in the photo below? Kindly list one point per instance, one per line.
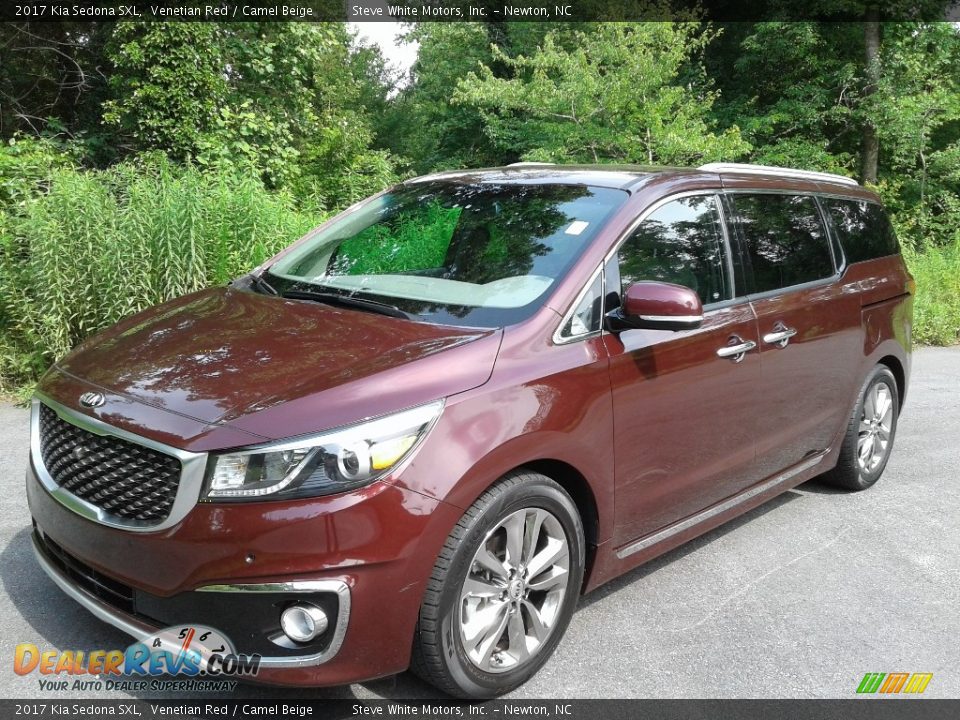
(347, 301)
(263, 285)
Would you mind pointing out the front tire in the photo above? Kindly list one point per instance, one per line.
(870, 433)
(503, 589)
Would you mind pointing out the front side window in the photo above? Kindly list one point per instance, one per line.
(863, 229)
(784, 239)
(681, 243)
(446, 252)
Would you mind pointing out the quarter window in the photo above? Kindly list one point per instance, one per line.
(784, 238)
(585, 318)
(863, 229)
(680, 243)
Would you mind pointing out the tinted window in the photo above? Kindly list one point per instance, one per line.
(863, 229)
(450, 252)
(784, 239)
(681, 243)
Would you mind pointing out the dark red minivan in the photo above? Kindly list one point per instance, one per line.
(416, 436)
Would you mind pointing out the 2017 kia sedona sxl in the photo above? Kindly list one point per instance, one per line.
(416, 436)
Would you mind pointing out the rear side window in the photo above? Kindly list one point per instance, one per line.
(680, 243)
(863, 228)
(784, 239)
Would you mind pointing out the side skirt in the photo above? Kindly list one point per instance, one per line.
(778, 482)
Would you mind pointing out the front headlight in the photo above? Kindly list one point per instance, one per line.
(333, 462)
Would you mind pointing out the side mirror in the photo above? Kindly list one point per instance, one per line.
(656, 306)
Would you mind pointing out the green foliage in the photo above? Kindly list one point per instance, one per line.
(791, 88)
(936, 268)
(284, 99)
(53, 81)
(613, 95)
(422, 124)
(100, 245)
(26, 165)
(168, 84)
(411, 241)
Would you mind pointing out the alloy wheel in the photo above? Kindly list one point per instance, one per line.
(876, 420)
(511, 598)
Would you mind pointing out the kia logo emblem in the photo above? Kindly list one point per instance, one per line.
(92, 399)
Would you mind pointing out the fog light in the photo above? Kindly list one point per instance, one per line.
(303, 622)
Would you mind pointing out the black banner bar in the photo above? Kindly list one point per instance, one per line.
(472, 10)
(859, 709)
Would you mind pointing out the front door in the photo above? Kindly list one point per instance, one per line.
(682, 401)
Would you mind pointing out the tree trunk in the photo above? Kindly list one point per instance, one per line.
(870, 143)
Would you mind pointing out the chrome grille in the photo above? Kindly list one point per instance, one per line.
(126, 480)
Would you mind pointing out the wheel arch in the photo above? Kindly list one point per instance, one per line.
(579, 490)
(899, 374)
(568, 477)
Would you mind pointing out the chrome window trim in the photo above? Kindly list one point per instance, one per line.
(558, 337)
(673, 318)
(140, 629)
(810, 285)
(193, 469)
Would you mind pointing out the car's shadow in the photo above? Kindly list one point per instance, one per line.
(818, 486)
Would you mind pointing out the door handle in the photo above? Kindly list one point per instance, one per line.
(780, 336)
(737, 351)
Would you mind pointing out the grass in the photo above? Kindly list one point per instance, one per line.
(100, 245)
(936, 310)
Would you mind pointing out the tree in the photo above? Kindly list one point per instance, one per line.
(168, 86)
(423, 125)
(869, 143)
(792, 89)
(613, 94)
(286, 99)
(53, 80)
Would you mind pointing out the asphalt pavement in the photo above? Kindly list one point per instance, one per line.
(797, 599)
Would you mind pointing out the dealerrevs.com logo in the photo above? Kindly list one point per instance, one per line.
(196, 656)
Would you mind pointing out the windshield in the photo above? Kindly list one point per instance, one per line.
(475, 255)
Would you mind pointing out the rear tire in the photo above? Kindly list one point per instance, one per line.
(870, 433)
(503, 589)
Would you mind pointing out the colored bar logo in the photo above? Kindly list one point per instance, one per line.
(889, 683)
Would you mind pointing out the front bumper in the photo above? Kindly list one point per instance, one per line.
(103, 598)
(365, 556)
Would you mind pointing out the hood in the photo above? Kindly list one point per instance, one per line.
(277, 367)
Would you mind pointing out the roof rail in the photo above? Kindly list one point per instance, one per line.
(529, 164)
(747, 169)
